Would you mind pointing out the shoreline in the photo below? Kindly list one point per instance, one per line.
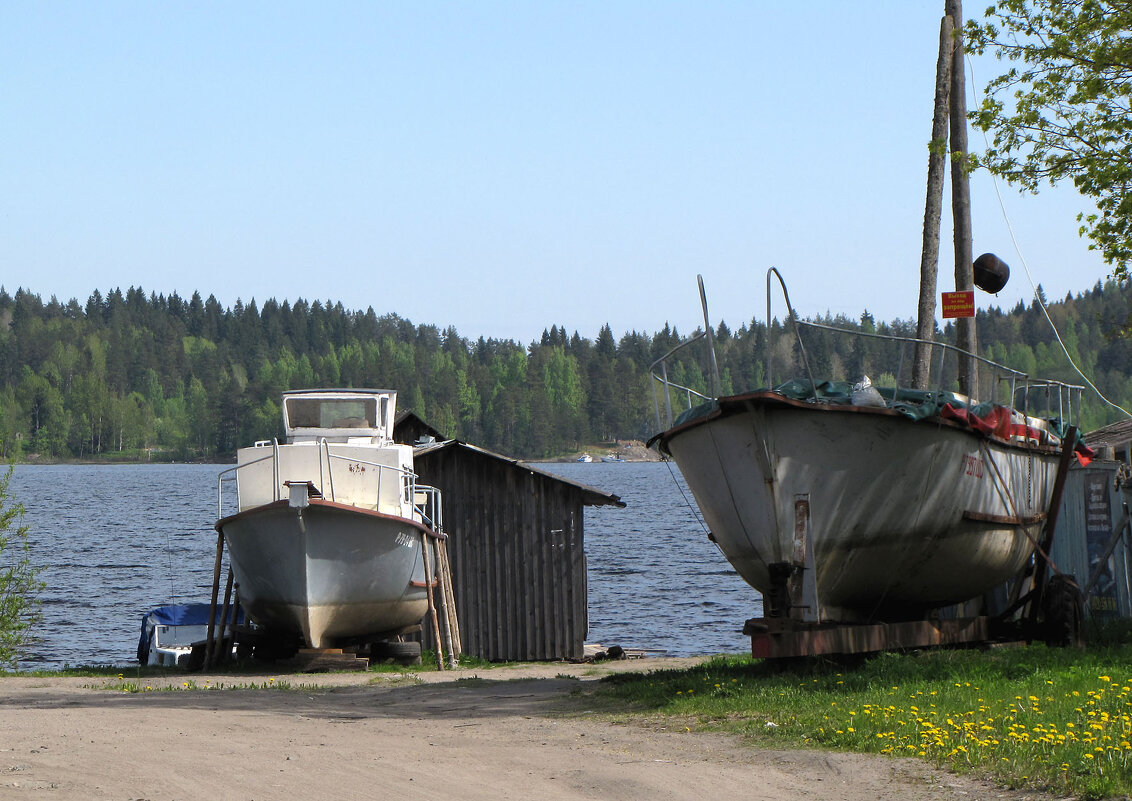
(629, 450)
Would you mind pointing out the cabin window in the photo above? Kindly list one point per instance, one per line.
(332, 412)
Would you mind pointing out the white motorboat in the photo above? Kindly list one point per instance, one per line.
(840, 511)
(327, 540)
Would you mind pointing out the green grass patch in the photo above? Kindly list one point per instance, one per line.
(140, 686)
(1054, 719)
(140, 673)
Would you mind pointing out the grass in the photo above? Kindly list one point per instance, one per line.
(139, 686)
(1052, 719)
(139, 674)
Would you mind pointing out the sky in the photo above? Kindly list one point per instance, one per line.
(496, 166)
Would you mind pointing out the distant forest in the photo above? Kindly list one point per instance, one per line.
(134, 375)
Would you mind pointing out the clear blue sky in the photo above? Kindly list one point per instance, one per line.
(493, 166)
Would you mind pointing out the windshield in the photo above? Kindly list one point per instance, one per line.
(332, 412)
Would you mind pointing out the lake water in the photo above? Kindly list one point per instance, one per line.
(117, 540)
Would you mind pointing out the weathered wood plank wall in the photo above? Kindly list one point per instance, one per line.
(518, 555)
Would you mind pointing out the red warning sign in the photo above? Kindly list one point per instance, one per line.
(959, 304)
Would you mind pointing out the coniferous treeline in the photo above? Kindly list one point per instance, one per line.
(131, 374)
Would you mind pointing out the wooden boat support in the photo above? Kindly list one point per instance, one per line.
(779, 638)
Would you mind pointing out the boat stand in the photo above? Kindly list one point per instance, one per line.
(782, 638)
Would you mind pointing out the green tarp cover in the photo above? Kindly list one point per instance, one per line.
(913, 403)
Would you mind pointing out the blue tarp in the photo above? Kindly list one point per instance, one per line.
(175, 615)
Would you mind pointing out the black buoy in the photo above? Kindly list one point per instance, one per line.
(991, 273)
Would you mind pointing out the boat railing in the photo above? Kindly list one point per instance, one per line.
(1062, 399)
(427, 502)
(229, 474)
(667, 386)
(410, 492)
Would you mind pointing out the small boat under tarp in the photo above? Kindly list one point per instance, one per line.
(168, 633)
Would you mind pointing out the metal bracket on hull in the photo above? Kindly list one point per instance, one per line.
(805, 592)
(299, 493)
(793, 585)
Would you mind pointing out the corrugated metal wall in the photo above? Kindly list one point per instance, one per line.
(517, 553)
(1090, 508)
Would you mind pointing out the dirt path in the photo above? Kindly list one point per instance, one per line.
(495, 734)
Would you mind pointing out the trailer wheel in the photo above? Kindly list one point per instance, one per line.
(403, 653)
(1063, 613)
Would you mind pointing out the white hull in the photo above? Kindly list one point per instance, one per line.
(328, 572)
(903, 516)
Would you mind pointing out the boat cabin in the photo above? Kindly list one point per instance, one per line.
(353, 416)
(339, 448)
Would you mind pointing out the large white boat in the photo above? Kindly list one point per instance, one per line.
(874, 505)
(328, 538)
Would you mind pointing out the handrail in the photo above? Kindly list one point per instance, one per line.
(933, 343)
(1019, 381)
(797, 334)
(330, 472)
(1016, 375)
(432, 511)
(663, 379)
(408, 479)
(220, 480)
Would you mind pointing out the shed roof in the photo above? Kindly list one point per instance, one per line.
(590, 495)
(414, 421)
(1114, 434)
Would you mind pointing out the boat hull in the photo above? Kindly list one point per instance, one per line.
(903, 516)
(329, 572)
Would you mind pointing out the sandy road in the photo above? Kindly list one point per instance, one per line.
(515, 733)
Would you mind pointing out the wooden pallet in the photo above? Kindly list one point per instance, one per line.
(323, 660)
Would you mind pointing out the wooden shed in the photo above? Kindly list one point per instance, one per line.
(408, 429)
(517, 548)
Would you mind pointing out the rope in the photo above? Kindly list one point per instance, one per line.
(691, 507)
(1004, 490)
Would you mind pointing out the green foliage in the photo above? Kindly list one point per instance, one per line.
(1062, 113)
(19, 583)
(135, 377)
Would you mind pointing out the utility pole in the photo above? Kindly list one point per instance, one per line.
(933, 208)
(961, 203)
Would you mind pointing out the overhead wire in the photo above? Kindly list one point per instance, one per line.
(1026, 267)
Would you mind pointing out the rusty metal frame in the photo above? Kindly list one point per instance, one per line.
(778, 638)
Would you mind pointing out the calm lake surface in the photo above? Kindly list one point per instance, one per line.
(118, 540)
